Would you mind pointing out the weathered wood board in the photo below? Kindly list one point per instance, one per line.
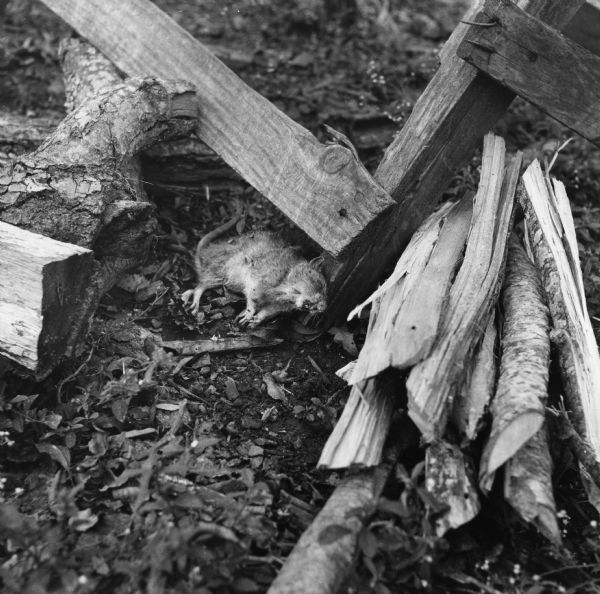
(538, 63)
(42, 285)
(323, 189)
(585, 26)
(445, 127)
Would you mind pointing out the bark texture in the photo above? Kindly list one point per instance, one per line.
(518, 409)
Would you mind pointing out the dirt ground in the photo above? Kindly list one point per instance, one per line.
(91, 498)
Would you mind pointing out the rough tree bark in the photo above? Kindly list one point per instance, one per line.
(82, 184)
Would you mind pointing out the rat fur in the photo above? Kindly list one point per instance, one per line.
(271, 275)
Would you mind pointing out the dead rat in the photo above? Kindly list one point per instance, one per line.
(272, 276)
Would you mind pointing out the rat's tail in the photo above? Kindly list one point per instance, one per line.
(212, 235)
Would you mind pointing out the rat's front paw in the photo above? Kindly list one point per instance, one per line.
(246, 318)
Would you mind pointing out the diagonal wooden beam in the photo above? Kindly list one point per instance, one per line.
(445, 127)
(538, 63)
(324, 189)
(585, 26)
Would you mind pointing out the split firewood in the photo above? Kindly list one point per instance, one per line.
(433, 383)
(82, 185)
(473, 399)
(325, 553)
(581, 449)
(552, 241)
(528, 485)
(42, 282)
(359, 435)
(518, 409)
(449, 479)
(406, 310)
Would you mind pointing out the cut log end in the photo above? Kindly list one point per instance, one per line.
(43, 291)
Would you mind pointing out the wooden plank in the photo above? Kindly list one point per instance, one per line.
(537, 62)
(42, 288)
(585, 26)
(445, 127)
(323, 189)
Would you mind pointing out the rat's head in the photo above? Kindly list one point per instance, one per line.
(306, 288)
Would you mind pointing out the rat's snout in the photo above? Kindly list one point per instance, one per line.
(319, 307)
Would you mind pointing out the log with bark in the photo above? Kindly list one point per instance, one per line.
(325, 553)
(518, 409)
(322, 188)
(528, 485)
(449, 478)
(82, 185)
(553, 243)
(186, 164)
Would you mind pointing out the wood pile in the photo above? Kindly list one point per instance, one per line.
(73, 210)
(459, 341)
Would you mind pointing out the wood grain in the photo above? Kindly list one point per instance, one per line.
(405, 318)
(585, 26)
(360, 433)
(42, 285)
(551, 233)
(538, 63)
(432, 384)
(518, 409)
(445, 127)
(323, 189)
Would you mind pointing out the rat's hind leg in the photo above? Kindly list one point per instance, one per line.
(205, 281)
(195, 294)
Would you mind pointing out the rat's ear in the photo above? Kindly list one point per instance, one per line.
(318, 263)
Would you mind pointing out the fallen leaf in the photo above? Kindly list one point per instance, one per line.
(83, 520)
(231, 390)
(274, 390)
